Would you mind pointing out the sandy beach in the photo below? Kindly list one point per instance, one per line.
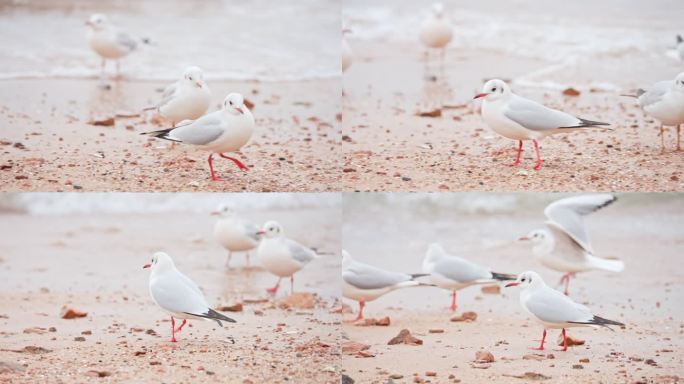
(49, 145)
(541, 53)
(92, 263)
(393, 231)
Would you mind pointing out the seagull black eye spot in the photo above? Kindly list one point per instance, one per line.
(494, 89)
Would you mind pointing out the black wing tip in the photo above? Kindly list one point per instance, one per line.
(503, 276)
(590, 123)
(679, 39)
(417, 275)
(161, 134)
(219, 316)
(600, 321)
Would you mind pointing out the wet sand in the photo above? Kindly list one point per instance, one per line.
(93, 264)
(646, 296)
(47, 143)
(388, 148)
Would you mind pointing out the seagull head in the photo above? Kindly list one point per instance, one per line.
(536, 237)
(526, 280)
(224, 210)
(494, 89)
(160, 262)
(97, 21)
(235, 104)
(271, 229)
(679, 82)
(438, 9)
(194, 76)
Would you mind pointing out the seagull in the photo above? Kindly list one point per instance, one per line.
(436, 31)
(235, 234)
(108, 41)
(665, 102)
(282, 256)
(453, 273)
(553, 309)
(680, 47)
(518, 118)
(363, 282)
(225, 130)
(186, 99)
(564, 244)
(176, 294)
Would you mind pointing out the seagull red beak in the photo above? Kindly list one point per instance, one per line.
(261, 232)
(524, 238)
(240, 110)
(215, 213)
(147, 266)
(480, 95)
(513, 284)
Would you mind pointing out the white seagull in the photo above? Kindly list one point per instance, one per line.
(564, 244)
(680, 47)
(347, 54)
(518, 118)
(437, 31)
(363, 282)
(225, 130)
(108, 41)
(553, 309)
(453, 273)
(282, 256)
(234, 233)
(665, 102)
(186, 99)
(176, 294)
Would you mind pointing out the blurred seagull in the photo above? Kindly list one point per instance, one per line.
(437, 31)
(363, 282)
(108, 41)
(281, 256)
(225, 130)
(665, 102)
(176, 294)
(564, 245)
(518, 118)
(186, 99)
(553, 309)
(453, 273)
(234, 233)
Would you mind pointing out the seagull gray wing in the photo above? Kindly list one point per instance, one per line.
(566, 214)
(655, 93)
(252, 231)
(537, 117)
(460, 270)
(124, 39)
(201, 131)
(553, 306)
(364, 276)
(299, 252)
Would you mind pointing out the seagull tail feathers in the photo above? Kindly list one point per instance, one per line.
(213, 315)
(503, 276)
(636, 95)
(600, 321)
(161, 134)
(612, 265)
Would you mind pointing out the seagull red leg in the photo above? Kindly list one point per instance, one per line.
(679, 128)
(236, 161)
(173, 330)
(291, 284)
(662, 139)
(360, 315)
(565, 341)
(537, 165)
(517, 158)
(274, 289)
(453, 301)
(211, 169)
(180, 327)
(541, 346)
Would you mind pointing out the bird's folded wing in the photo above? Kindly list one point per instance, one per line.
(457, 269)
(537, 117)
(299, 252)
(177, 293)
(552, 306)
(567, 215)
(124, 39)
(168, 94)
(200, 132)
(655, 93)
(364, 276)
(252, 231)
